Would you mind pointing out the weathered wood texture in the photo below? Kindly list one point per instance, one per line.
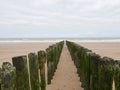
(42, 61)
(34, 74)
(22, 77)
(7, 77)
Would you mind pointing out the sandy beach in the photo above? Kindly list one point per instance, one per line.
(65, 77)
(9, 50)
(12, 49)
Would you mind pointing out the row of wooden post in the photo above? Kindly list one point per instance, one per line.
(28, 72)
(95, 73)
(53, 54)
(35, 70)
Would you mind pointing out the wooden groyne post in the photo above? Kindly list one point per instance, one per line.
(117, 74)
(34, 68)
(42, 61)
(49, 68)
(7, 77)
(22, 77)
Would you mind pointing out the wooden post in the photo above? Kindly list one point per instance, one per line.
(53, 60)
(34, 68)
(49, 65)
(42, 61)
(8, 75)
(105, 76)
(86, 69)
(22, 77)
(94, 63)
(117, 74)
(0, 78)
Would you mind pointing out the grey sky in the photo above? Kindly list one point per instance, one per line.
(59, 18)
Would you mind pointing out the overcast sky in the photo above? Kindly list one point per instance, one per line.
(59, 18)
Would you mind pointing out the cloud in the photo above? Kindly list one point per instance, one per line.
(77, 16)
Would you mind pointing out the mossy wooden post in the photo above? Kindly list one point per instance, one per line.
(105, 73)
(54, 59)
(8, 76)
(34, 67)
(0, 79)
(83, 68)
(117, 74)
(51, 62)
(42, 61)
(87, 69)
(22, 77)
(79, 64)
(49, 65)
(108, 72)
(94, 62)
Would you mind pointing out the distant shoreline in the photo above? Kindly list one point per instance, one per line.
(7, 40)
(63, 38)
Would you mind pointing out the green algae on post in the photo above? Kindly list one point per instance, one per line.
(42, 61)
(22, 76)
(34, 67)
(8, 77)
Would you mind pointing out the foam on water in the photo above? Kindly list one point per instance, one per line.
(98, 41)
(27, 41)
(56, 40)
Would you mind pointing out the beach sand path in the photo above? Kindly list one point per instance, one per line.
(65, 77)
